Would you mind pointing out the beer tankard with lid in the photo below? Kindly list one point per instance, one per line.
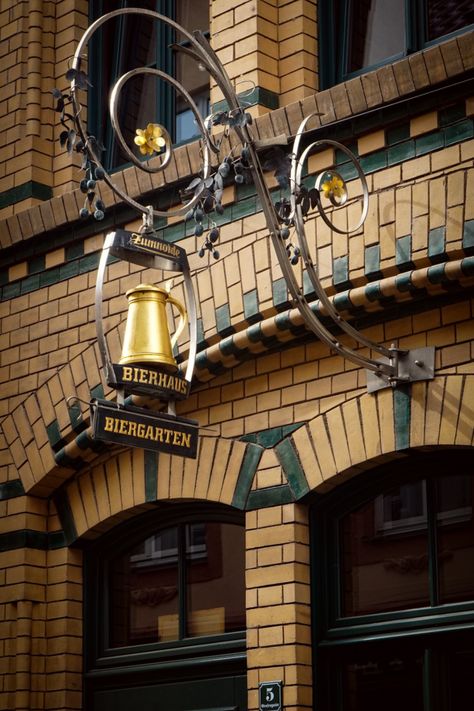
(147, 338)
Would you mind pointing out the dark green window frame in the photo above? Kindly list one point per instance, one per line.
(103, 661)
(334, 38)
(428, 628)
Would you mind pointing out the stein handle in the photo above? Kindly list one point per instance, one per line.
(183, 318)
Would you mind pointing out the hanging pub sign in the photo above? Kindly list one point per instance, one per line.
(147, 365)
(136, 427)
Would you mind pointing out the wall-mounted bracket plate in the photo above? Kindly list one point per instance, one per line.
(409, 367)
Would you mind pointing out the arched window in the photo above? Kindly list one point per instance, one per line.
(165, 598)
(393, 581)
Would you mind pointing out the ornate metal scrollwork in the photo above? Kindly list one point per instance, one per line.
(392, 366)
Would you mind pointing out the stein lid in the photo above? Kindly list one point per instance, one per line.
(144, 288)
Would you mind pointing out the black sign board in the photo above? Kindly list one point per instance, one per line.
(143, 247)
(136, 427)
(152, 381)
(270, 696)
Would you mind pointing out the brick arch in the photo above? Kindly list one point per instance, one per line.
(131, 481)
(370, 429)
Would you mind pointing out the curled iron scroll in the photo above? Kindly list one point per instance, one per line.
(328, 182)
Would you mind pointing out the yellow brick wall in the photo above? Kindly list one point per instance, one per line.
(278, 603)
(48, 349)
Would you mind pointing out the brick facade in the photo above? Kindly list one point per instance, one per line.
(283, 416)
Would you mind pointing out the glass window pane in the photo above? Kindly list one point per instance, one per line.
(445, 16)
(215, 579)
(455, 526)
(384, 553)
(377, 32)
(144, 592)
(392, 682)
(191, 16)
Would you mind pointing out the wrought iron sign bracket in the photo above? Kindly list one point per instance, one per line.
(406, 367)
(285, 219)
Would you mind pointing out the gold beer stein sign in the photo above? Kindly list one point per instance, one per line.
(147, 338)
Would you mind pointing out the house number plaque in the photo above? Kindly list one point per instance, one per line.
(270, 696)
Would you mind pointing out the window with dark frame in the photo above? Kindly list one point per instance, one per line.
(396, 620)
(359, 35)
(130, 41)
(180, 582)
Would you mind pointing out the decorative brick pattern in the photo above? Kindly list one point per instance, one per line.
(287, 416)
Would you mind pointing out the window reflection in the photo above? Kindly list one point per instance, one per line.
(377, 32)
(381, 570)
(445, 16)
(396, 678)
(185, 580)
(455, 536)
(385, 551)
(215, 582)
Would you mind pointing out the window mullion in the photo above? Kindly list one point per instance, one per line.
(182, 590)
(431, 508)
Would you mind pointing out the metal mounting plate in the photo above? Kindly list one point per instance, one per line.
(412, 366)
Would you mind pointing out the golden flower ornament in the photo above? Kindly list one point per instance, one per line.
(150, 139)
(334, 188)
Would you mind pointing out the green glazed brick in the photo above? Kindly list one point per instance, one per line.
(73, 251)
(280, 294)
(271, 496)
(223, 320)
(462, 131)
(251, 312)
(340, 270)
(468, 235)
(50, 276)
(401, 152)
(428, 143)
(452, 114)
(372, 261)
(437, 244)
(29, 284)
(398, 134)
(374, 161)
(37, 264)
(403, 252)
(11, 291)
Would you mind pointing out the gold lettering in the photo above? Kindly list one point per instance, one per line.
(168, 436)
(132, 429)
(123, 427)
(109, 424)
(159, 434)
(186, 439)
(141, 430)
(143, 376)
(149, 432)
(153, 377)
(177, 438)
(127, 373)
